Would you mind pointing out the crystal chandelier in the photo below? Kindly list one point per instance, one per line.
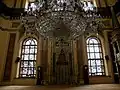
(57, 18)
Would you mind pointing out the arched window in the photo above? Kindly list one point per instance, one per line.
(28, 58)
(88, 5)
(32, 4)
(95, 57)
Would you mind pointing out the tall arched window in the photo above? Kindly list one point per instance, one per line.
(28, 58)
(95, 57)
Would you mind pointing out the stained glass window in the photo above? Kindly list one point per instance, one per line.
(28, 58)
(95, 57)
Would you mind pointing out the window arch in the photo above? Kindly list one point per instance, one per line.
(95, 57)
(28, 58)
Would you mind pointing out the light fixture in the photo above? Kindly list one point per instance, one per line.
(58, 18)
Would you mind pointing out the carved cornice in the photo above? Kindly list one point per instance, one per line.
(7, 29)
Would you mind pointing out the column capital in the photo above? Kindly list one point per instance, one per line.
(115, 35)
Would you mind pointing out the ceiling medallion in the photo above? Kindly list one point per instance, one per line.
(60, 18)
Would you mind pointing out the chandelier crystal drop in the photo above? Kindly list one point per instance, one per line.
(58, 18)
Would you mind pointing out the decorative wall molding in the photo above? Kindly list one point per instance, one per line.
(9, 58)
(7, 29)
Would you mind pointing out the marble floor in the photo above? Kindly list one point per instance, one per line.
(64, 87)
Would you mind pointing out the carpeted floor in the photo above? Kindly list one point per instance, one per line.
(64, 87)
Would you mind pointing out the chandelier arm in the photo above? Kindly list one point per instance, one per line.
(47, 15)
